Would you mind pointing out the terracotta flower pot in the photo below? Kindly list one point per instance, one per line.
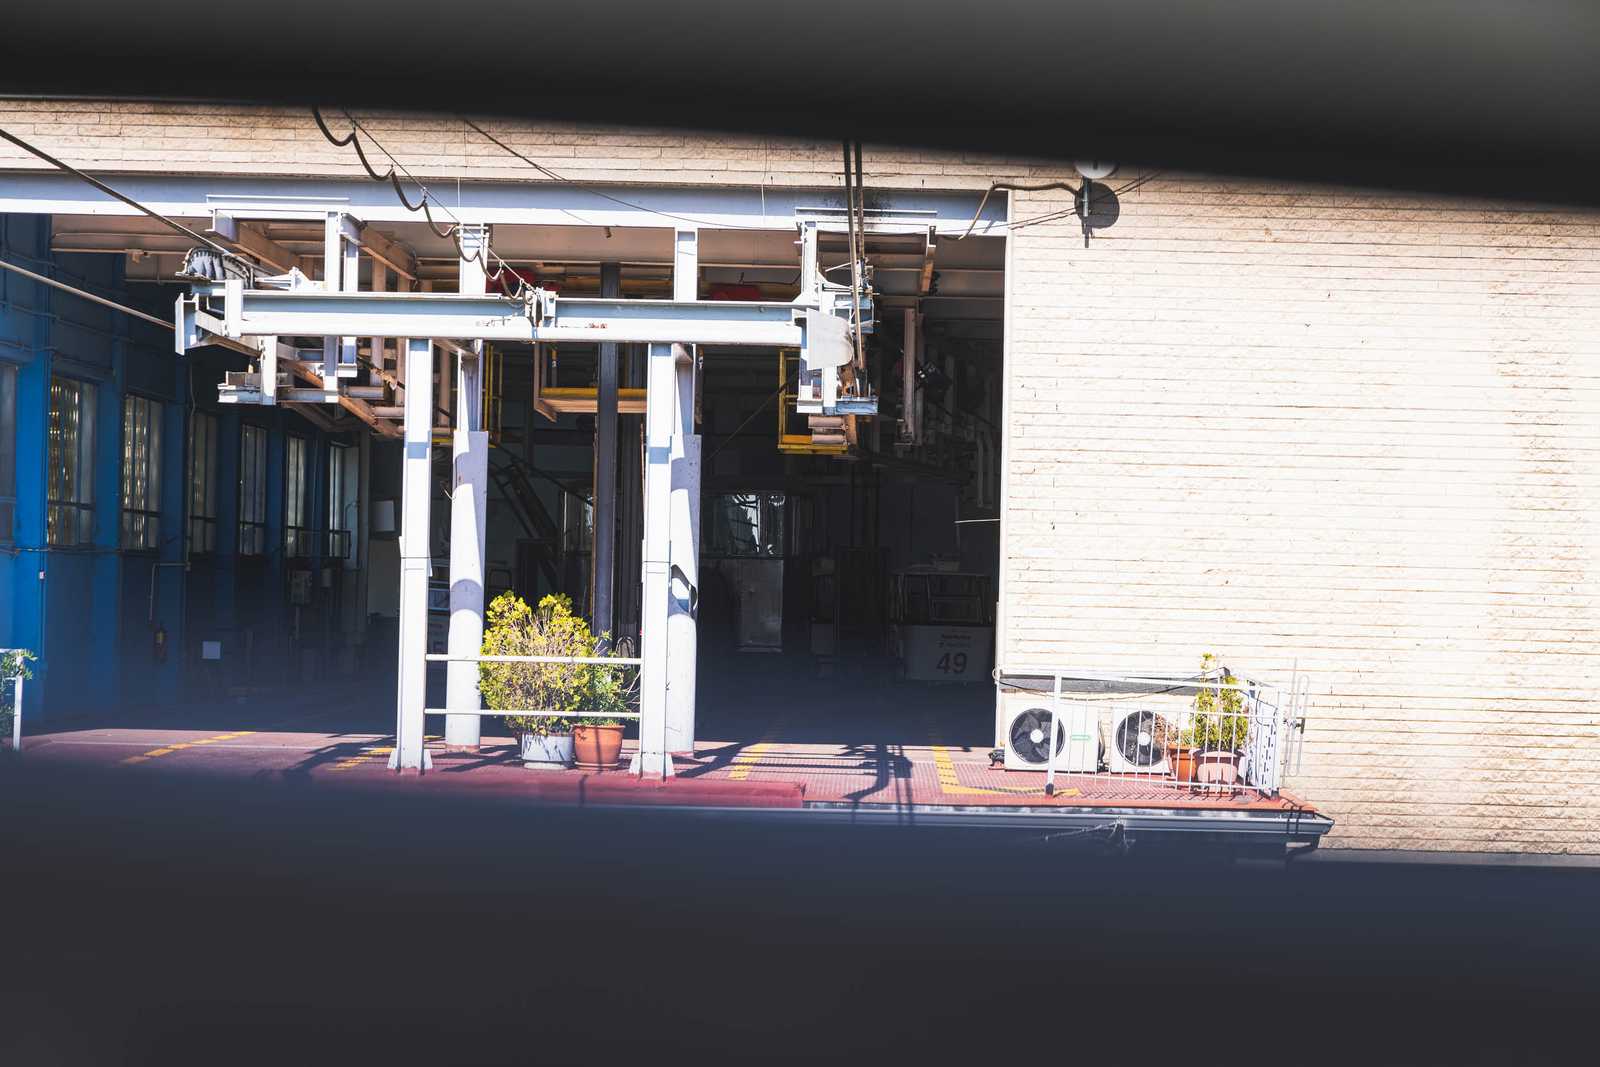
(1182, 759)
(596, 748)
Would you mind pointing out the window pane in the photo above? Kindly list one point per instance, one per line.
(141, 472)
(69, 515)
(252, 490)
(202, 483)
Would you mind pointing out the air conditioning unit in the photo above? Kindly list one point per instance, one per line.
(1025, 721)
(1133, 742)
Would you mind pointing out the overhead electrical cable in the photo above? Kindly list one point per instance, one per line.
(1049, 216)
(64, 287)
(123, 197)
(553, 176)
(392, 178)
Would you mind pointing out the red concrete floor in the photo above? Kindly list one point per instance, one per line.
(893, 751)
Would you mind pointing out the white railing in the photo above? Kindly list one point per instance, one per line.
(1147, 728)
(619, 661)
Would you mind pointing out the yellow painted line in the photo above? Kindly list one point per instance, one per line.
(361, 757)
(746, 761)
(167, 750)
(950, 783)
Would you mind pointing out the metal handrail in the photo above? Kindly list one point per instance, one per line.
(624, 661)
(543, 713)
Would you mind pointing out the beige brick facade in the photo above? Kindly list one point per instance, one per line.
(1358, 432)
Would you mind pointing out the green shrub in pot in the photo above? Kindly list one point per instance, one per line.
(1220, 723)
(514, 629)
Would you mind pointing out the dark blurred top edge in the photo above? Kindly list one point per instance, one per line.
(1497, 99)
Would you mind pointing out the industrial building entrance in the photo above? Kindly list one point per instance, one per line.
(753, 434)
(847, 565)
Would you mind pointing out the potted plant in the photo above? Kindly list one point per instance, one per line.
(1182, 746)
(1220, 726)
(597, 737)
(544, 694)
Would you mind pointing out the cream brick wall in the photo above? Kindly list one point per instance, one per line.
(1351, 430)
(111, 136)
(1357, 431)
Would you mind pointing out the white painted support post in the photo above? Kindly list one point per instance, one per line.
(350, 282)
(654, 758)
(684, 521)
(682, 641)
(409, 751)
(269, 371)
(469, 455)
(16, 716)
(340, 257)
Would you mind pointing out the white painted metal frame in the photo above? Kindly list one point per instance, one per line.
(469, 455)
(669, 327)
(415, 564)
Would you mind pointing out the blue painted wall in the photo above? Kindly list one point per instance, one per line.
(91, 612)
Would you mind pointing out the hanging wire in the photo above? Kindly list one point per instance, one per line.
(1049, 216)
(130, 201)
(553, 176)
(392, 177)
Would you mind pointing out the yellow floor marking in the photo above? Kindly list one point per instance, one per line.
(745, 761)
(361, 757)
(167, 750)
(951, 785)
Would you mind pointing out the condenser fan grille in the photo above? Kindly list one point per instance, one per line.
(1029, 730)
(1138, 738)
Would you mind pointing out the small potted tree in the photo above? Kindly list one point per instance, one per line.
(1220, 726)
(1182, 745)
(597, 737)
(543, 694)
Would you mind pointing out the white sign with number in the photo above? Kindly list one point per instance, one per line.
(947, 653)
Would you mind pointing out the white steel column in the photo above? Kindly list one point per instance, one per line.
(654, 758)
(469, 454)
(416, 494)
(684, 521)
(341, 263)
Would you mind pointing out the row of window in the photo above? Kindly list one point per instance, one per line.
(70, 477)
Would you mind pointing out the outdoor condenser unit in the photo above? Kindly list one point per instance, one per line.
(1134, 742)
(1026, 720)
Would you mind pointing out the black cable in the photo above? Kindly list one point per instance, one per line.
(553, 176)
(448, 232)
(751, 418)
(130, 201)
(1052, 215)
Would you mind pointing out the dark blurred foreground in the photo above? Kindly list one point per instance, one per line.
(171, 921)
